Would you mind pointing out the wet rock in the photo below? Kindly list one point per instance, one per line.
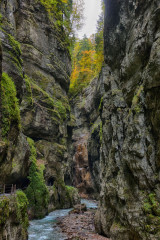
(80, 226)
(79, 208)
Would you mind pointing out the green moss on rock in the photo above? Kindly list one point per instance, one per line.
(37, 192)
(65, 196)
(4, 210)
(15, 53)
(15, 45)
(10, 104)
(13, 210)
(135, 102)
(21, 209)
(151, 205)
(54, 105)
(151, 208)
(101, 104)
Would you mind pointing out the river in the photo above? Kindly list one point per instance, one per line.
(47, 228)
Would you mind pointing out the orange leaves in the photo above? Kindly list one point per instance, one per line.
(86, 63)
(87, 60)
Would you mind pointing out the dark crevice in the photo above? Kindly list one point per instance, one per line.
(51, 181)
(0, 85)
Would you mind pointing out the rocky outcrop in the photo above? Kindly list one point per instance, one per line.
(129, 205)
(13, 217)
(63, 197)
(35, 57)
(85, 144)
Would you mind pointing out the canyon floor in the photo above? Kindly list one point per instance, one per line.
(80, 226)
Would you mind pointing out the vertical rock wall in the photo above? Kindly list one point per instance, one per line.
(35, 55)
(85, 145)
(129, 164)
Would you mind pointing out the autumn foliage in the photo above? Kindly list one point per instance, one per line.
(87, 60)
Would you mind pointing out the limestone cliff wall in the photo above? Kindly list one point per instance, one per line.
(84, 145)
(35, 68)
(129, 164)
(35, 55)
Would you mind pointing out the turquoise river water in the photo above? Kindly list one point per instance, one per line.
(47, 228)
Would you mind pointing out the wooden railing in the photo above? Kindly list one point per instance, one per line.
(8, 188)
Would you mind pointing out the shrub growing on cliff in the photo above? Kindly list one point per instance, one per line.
(58, 9)
(4, 210)
(10, 105)
(21, 208)
(37, 192)
(67, 14)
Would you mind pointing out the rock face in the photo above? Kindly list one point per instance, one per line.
(35, 68)
(85, 144)
(45, 108)
(36, 57)
(113, 142)
(129, 205)
(13, 217)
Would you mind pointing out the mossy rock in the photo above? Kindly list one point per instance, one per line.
(4, 209)
(10, 105)
(36, 192)
(67, 195)
(21, 209)
(35, 94)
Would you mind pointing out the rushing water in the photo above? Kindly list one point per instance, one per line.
(89, 203)
(47, 229)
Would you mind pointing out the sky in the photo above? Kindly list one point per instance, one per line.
(92, 10)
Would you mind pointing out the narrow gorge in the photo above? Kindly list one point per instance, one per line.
(102, 142)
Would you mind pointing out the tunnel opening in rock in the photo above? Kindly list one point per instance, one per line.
(22, 183)
(51, 181)
(90, 190)
(69, 131)
(67, 179)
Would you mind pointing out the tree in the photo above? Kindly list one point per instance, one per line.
(76, 16)
(36, 192)
(66, 14)
(87, 58)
